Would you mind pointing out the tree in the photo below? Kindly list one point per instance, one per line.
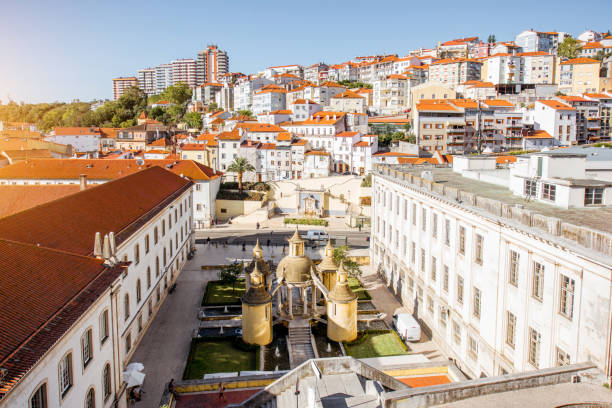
(410, 138)
(213, 107)
(341, 255)
(491, 39)
(178, 93)
(569, 48)
(230, 274)
(245, 112)
(193, 119)
(240, 165)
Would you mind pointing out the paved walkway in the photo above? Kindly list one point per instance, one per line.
(384, 301)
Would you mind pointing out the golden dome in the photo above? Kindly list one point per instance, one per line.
(342, 293)
(294, 269)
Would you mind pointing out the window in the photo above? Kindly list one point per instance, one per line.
(106, 382)
(39, 398)
(445, 279)
(478, 249)
(156, 267)
(136, 254)
(405, 209)
(126, 306)
(433, 268)
(169, 221)
(128, 342)
(538, 281)
(430, 305)
(164, 258)
(459, 290)
(462, 240)
(476, 303)
(149, 277)
(510, 329)
(413, 252)
(86, 348)
(424, 218)
(420, 295)
(422, 260)
(566, 298)
(456, 332)
(163, 228)
(534, 347)
(593, 196)
(514, 265)
(434, 225)
(563, 358)
(103, 326)
(146, 244)
(155, 235)
(530, 188)
(138, 292)
(442, 314)
(472, 348)
(548, 191)
(139, 320)
(413, 214)
(90, 399)
(447, 226)
(65, 374)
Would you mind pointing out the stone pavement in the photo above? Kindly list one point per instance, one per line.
(384, 301)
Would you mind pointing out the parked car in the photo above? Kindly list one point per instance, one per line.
(407, 327)
(316, 235)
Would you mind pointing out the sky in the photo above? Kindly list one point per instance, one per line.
(65, 50)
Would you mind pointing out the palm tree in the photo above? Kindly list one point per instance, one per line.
(569, 48)
(240, 165)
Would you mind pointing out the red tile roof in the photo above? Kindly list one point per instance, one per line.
(347, 134)
(70, 223)
(551, 104)
(580, 61)
(16, 198)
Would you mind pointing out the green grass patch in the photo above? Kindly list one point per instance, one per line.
(219, 355)
(376, 343)
(220, 293)
(357, 287)
(305, 221)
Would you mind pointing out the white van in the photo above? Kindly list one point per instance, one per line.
(407, 327)
(316, 235)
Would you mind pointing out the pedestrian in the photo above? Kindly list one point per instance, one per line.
(283, 249)
(268, 243)
(359, 226)
(221, 392)
(208, 240)
(243, 246)
(257, 225)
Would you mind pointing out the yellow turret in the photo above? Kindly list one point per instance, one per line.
(328, 267)
(257, 311)
(342, 309)
(257, 251)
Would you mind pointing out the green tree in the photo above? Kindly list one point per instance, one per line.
(240, 165)
(213, 106)
(245, 112)
(410, 138)
(193, 119)
(230, 274)
(569, 48)
(341, 255)
(491, 39)
(178, 93)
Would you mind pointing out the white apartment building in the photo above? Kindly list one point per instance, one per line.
(121, 84)
(303, 109)
(556, 118)
(537, 67)
(502, 283)
(244, 90)
(323, 93)
(78, 358)
(163, 77)
(146, 80)
(82, 139)
(296, 70)
(348, 101)
(317, 163)
(228, 148)
(184, 70)
(454, 71)
(534, 41)
(401, 65)
(268, 99)
(391, 95)
(502, 69)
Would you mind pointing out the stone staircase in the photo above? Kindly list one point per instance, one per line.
(299, 339)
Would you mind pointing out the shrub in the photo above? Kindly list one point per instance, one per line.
(305, 221)
(244, 196)
(367, 181)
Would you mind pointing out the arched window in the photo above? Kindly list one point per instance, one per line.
(155, 235)
(39, 398)
(106, 382)
(126, 307)
(65, 374)
(90, 399)
(148, 277)
(164, 264)
(176, 240)
(136, 254)
(87, 347)
(157, 266)
(163, 227)
(138, 291)
(146, 244)
(169, 221)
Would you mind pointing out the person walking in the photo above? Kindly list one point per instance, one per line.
(172, 390)
(222, 392)
(257, 225)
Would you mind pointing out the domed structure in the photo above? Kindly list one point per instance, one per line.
(264, 266)
(328, 268)
(295, 267)
(257, 311)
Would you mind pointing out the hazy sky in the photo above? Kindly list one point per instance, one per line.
(65, 50)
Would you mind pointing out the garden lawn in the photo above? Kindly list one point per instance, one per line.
(381, 344)
(218, 356)
(220, 293)
(357, 287)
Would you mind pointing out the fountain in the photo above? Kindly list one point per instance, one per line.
(277, 352)
(329, 348)
(225, 309)
(276, 368)
(221, 330)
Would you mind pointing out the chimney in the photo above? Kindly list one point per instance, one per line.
(106, 251)
(113, 245)
(98, 246)
(83, 180)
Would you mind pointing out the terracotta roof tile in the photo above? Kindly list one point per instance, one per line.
(16, 198)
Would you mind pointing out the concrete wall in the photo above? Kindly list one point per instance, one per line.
(234, 208)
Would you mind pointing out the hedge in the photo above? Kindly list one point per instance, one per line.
(305, 221)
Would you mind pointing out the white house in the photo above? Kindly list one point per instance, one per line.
(82, 139)
(317, 163)
(556, 118)
(269, 98)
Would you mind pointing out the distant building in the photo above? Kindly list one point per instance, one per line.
(184, 70)
(454, 71)
(163, 77)
(121, 84)
(534, 41)
(211, 64)
(578, 76)
(556, 118)
(146, 80)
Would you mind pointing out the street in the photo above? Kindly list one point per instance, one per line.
(352, 238)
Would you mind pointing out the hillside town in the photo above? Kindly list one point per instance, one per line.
(427, 229)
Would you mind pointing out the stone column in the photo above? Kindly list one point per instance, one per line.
(280, 302)
(290, 293)
(304, 301)
(313, 298)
